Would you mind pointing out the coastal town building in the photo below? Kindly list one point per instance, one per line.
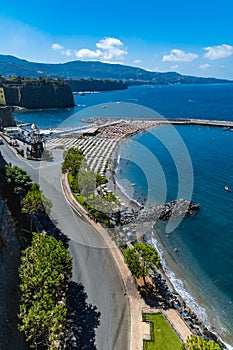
(14, 132)
(2, 97)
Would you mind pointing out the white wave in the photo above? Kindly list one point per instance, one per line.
(229, 347)
(179, 285)
(122, 189)
(118, 159)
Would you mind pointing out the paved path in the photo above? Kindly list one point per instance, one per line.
(178, 324)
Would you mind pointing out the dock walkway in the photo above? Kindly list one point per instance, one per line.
(177, 121)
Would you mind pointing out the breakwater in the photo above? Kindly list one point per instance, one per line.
(173, 121)
(204, 122)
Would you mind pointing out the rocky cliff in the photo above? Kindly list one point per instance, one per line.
(171, 210)
(6, 117)
(39, 94)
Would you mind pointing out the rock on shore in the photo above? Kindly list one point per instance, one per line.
(170, 210)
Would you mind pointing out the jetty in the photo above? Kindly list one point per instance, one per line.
(161, 121)
(203, 122)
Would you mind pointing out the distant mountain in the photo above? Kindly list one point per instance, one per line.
(10, 65)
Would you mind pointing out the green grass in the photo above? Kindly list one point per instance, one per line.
(163, 337)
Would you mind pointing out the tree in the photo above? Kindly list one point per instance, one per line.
(45, 271)
(140, 258)
(16, 184)
(18, 181)
(197, 343)
(87, 182)
(35, 202)
(73, 159)
(133, 262)
(100, 180)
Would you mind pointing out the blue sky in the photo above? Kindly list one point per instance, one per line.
(185, 36)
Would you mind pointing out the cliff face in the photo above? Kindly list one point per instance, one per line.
(6, 117)
(39, 95)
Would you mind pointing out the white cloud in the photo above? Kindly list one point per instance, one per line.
(88, 54)
(137, 61)
(67, 52)
(174, 67)
(219, 51)
(177, 55)
(108, 49)
(204, 66)
(222, 66)
(57, 47)
(108, 43)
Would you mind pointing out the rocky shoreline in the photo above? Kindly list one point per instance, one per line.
(161, 293)
(170, 210)
(171, 299)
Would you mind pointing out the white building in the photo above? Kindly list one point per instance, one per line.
(15, 132)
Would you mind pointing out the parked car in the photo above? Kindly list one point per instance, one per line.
(15, 143)
(1, 142)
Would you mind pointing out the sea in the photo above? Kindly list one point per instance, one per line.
(172, 162)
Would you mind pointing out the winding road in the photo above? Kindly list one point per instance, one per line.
(93, 265)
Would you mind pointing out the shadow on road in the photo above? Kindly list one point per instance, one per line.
(50, 227)
(83, 319)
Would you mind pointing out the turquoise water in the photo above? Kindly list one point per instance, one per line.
(168, 163)
(205, 241)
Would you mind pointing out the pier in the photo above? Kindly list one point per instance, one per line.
(161, 121)
(204, 122)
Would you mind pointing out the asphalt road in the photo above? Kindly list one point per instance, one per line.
(93, 265)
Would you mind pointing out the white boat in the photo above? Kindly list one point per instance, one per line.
(226, 188)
